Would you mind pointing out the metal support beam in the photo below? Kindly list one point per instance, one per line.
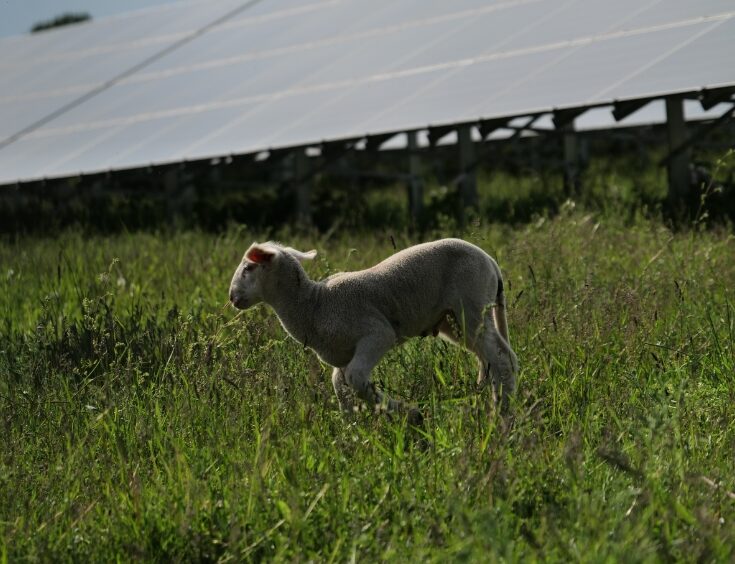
(302, 179)
(374, 142)
(467, 166)
(562, 118)
(710, 98)
(700, 132)
(335, 150)
(622, 110)
(518, 130)
(678, 165)
(489, 125)
(436, 134)
(415, 184)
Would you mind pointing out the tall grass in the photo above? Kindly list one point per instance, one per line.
(141, 419)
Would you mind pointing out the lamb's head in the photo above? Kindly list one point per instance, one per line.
(258, 275)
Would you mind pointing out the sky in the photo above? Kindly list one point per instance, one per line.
(18, 16)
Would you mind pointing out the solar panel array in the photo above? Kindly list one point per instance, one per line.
(206, 78)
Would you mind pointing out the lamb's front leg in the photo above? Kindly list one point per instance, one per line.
(344, 394)
(368, 353)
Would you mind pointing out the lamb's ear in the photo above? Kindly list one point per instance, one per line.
(300, 255)
(259, 255)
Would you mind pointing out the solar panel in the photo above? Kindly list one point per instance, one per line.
(198, 79)
(699, 61)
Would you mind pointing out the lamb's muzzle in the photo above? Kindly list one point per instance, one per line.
(449, 288)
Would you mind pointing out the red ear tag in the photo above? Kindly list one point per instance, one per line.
(259, 256)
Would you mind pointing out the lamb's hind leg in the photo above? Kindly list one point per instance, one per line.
(501, 321)
(342, 390)
(498, 360)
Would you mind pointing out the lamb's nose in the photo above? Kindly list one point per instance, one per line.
(232, 296)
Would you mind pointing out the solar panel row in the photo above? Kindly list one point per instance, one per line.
(282, 73)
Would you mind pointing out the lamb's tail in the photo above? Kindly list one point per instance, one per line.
(501, 322)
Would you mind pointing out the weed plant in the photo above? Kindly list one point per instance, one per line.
(143, 419)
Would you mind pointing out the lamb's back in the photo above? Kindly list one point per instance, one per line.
(411, 288)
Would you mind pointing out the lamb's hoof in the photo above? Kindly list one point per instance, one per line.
(419, 438)
(415, 418)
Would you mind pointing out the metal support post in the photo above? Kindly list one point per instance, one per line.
(302, 180)
(467, 165)
(678, 164)
(415, 184)
(571, 160)
(171, 180)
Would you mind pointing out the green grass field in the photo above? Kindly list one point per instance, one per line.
(141, 419)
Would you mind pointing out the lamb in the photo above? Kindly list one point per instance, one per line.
(450, 288)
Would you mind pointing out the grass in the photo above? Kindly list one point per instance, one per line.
(142, 420)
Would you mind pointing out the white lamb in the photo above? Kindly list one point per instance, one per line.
(448, 287)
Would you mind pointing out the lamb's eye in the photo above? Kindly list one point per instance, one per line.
(247, 268)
